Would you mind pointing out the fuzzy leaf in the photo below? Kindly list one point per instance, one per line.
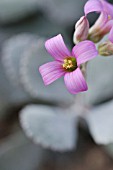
(12, 52)
(51, 127)
(11, 91)
(9, 94)
(100, 122)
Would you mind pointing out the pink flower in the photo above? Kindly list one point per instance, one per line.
(67, 63)
(104, 24)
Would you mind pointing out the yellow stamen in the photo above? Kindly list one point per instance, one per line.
(67, 64)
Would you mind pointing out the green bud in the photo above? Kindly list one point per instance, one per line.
(106, 48)
(95, 37)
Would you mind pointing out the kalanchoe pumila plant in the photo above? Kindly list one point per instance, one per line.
(56, 131)
(67, 63)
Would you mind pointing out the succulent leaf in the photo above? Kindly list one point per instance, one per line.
(100, 123)
(51, 127)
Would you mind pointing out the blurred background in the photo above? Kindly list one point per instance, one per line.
(38, 130)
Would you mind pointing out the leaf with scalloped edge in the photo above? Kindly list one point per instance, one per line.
(11, 91)
(9, 95)
(100, 123)
(12, 51)
(50, 126)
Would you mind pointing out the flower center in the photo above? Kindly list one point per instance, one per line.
(70, 64)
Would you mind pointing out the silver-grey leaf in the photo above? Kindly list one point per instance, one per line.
(100, 123)
(12, 51)
(51, 127)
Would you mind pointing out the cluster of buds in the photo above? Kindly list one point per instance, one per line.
(69, 64)
(102, 26)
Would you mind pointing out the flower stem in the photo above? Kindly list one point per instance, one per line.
(79, 105)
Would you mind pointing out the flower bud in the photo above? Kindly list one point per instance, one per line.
(106, 48)
(95, 37)
(81, 30)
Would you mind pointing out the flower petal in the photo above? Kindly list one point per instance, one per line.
(93, 6)
(51, 71)
(101, 21)
(107, 27)
(57, 48)
(75, 81)
(98, 6)
(108, 8)
(84, 51)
